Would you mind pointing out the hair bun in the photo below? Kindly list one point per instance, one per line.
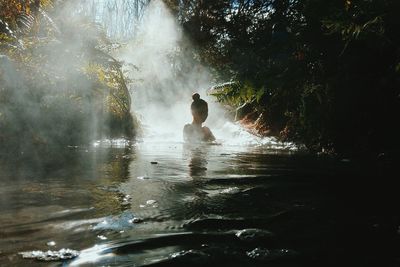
(195, 96)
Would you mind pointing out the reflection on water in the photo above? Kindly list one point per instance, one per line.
(197, 159)
(157, 203)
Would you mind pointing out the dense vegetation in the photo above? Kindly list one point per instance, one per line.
(324, 73)
(58, 84)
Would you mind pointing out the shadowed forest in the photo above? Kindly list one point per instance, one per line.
(323, 74)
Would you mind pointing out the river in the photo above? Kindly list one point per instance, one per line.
(155, 203)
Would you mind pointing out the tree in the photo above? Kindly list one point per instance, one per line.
(322, 73)
(58, 84)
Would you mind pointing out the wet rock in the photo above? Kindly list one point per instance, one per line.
(253, 234)
(263, 254)
(62, 254)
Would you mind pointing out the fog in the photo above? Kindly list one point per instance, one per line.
(55, 84)
(165, 77)
(64, 103)
(166, 73)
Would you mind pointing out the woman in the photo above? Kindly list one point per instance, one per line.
(195, 131)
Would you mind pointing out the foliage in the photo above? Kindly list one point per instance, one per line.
(325, 73)
(59, 85)
(237, 94)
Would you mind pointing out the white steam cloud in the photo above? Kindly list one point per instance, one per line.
(167, 75)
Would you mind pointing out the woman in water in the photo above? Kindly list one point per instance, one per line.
(195, 131)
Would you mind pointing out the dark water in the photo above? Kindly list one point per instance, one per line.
(159, 204)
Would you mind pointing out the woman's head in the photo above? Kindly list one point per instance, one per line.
(196, 97)
(199, 109)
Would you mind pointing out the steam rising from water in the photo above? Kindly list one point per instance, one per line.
(166, 76)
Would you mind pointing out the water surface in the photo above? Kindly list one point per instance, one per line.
(155, 203)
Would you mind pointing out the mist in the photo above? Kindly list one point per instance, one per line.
(58, 84)
(74, 93)
(166, 73)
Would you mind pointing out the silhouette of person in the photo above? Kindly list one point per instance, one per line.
(195, 132)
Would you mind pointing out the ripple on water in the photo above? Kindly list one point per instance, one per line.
(263, 254)
(253, 234)
(192, 255)
(119, 222)
(230, 190)
(62, 254)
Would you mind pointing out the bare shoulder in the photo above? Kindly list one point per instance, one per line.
(208, 135)
(206, 129)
